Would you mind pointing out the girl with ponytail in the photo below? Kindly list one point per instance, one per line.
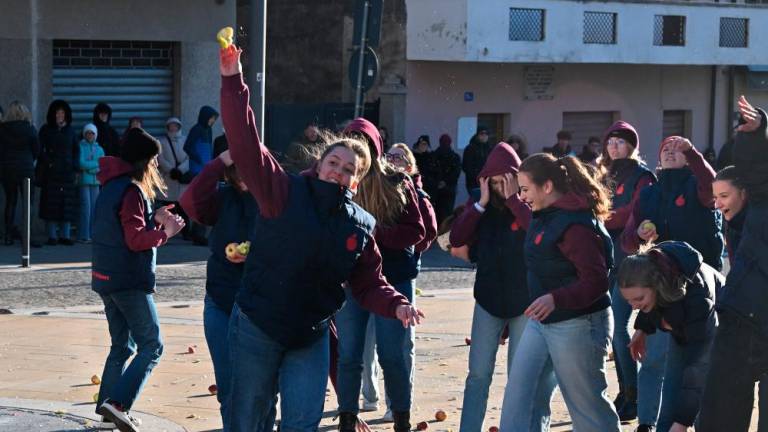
(568, 253)
(391, 197)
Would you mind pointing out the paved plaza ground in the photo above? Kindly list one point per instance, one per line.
(55, 338)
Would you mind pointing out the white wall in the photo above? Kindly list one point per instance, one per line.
(434, 24)
(640, 94)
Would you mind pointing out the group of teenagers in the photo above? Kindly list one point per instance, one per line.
(336, 248)
(566, 251)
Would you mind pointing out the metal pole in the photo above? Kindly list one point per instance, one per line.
(257, 52)
(361, 62)
(25, 230)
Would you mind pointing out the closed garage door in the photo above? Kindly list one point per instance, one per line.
(585, 124)
(134, 77)
(146, 93)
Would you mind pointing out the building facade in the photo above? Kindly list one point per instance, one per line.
(533, 68)
(145, 58)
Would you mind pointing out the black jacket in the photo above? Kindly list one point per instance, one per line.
(19, 148)
(448, 166)
(693, 321)
(108, 137)
(58, 167)
(474, 159)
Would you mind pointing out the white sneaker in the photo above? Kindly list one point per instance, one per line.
(104, 424)
(388, 416)
(368, 406)
(120, 419)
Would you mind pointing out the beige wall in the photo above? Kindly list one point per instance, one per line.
(639, 93)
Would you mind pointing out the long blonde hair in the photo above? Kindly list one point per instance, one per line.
(147, 177)
(18, 111)
(382, 192)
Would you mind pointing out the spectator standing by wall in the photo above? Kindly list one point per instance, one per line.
(56, 173)
(90, 153)
(20, 148)
(474, 157)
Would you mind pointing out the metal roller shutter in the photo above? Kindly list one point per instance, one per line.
(146, 93)
(585, 124)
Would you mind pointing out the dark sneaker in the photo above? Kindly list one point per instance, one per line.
(121, 419)
(645, 428)
(52, 242)
(66, 242)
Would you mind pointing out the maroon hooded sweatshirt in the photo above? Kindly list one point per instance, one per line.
(619, 216)
(269, 184)
(502, 160)
(409, 229)
(585, 249)
(704, 174)
(132, 209)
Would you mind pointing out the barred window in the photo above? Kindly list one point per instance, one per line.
(669, 30)
(526, 24)
(734, 32)
(599, 28)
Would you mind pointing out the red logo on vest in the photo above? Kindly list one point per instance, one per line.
(99, 276)
(351, 242)
(680, 201)
(538, 238)
(514, 226)
(620, 189)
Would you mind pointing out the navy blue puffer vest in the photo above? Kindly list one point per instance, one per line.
(115, 267)
(501, 286)
(237, 212)
(299, 260)
(673, 206)
(548, 268)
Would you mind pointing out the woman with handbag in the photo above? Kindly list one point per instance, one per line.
(173, 163)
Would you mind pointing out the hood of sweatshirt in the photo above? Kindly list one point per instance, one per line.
(687, 258)
(111, 167)
(370, 130)
(502, 160)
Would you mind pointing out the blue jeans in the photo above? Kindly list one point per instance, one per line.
(626, 367)
(134, 329)
(648, 381)
(260, 365)
(216, 327)
(58, 229)
(393, 341)
(650, 378)
(370, 387)
(687, 368)
(486, 332)
(88, 195)
(576, 350)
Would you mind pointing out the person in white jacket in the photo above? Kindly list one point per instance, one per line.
(174, 166)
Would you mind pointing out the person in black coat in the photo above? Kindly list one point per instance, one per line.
(56, 173)
(674, 290)
(109, 139)
(739, 356)
(475, 156)
(425, 161)
(20, 148)
(448, 170)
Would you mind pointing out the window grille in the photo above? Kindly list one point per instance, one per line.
(734, 32)
(669, 30)
(599, 28)
(526, 24)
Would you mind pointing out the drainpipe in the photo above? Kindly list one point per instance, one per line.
(712, 92)
(34, 89)
(730, 103)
